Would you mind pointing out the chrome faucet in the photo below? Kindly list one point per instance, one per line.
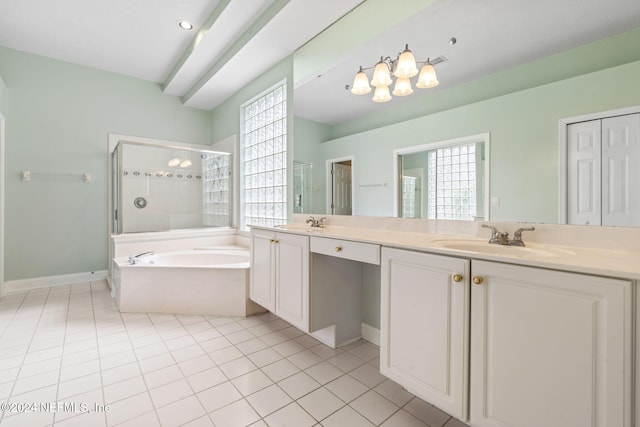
(133, 259)
(498, 237)
(502, 238)
(517, 236)
(318, 223)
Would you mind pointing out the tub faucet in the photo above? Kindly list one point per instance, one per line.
(133, 259)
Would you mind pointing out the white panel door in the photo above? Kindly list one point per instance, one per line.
(424, 326)
(292, 279)
(341, 189)
(549, 348)
(621, 170)
(583, 173)
(262, 285)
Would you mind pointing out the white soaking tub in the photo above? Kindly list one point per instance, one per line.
(199, 281)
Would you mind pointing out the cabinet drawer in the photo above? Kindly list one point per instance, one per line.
(357, 251)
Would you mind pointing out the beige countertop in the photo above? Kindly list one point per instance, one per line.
(588, 260)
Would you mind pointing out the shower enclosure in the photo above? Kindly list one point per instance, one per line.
(160, 188)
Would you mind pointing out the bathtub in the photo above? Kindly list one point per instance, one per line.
(213, 281)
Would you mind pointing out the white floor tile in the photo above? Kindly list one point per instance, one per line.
(346, 416)
(124, 389)
(205, 379)
(218, 396)
(321, 403)
(120, 373)
(290, 415)
(269, 400)
(180, 412)
(298, 385)
(237, 414)
(250, 383)
(171, 392)
(71, 344)
(347, 388)
(129, 408)
(374, 407)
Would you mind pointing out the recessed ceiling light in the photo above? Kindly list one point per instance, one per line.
(185, 25)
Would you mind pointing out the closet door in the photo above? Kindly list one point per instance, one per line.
(584, 173)
(621, 170)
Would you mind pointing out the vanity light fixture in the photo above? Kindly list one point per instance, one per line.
(185, 25)
(403, 68)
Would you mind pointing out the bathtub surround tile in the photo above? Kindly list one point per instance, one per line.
(71, 344)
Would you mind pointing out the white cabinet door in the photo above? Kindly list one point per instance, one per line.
(292, 279)
(280, 275)
(262, 285)
(549, 348)
(424, 326)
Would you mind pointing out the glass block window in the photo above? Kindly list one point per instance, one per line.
(216, 171)
(263, 159)
(408, 197)
(452, 182)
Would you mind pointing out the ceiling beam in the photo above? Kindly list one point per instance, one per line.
(254, 29)
(196, 41)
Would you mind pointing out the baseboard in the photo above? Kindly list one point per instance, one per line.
(49, 281)
(371, 334)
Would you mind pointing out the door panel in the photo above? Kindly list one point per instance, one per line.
(620, 152)
(584, 173)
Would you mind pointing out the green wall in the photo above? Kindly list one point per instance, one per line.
(3, 97)
(58, 119)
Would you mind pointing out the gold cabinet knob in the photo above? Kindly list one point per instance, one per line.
(457, 278)
(338, 248)
(273, 240)
(477, 280)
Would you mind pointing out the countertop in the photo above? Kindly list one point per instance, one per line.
(602, 262)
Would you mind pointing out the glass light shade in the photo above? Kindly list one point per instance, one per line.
(173, 162)
(406, 66)
(403, 87)
(381, 76)
(427, 78)
(382, 94)
(360, 84)
(185, 163)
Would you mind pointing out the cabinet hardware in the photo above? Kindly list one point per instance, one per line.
(477, 280)
(338, 248)
(273, 240)
(457, 278)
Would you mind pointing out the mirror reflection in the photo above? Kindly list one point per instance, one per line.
(445, 181)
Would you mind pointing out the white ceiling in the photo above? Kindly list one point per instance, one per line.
(236, 40)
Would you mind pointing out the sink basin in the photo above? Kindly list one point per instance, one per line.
(481, 246)
(299, 227)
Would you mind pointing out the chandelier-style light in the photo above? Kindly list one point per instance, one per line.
(403, 68)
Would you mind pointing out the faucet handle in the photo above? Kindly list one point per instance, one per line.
(494, 233)
(517, 235)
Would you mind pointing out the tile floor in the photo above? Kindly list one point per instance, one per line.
(69, 358)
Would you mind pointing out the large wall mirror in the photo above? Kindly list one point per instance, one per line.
(520, 102)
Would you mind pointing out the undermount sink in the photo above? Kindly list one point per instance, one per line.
(531, 250)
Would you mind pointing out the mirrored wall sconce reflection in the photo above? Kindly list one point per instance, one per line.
(176, 161)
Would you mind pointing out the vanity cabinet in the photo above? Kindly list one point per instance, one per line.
(511, 345)
(549, 348)
(280, 275)
(424, 326)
